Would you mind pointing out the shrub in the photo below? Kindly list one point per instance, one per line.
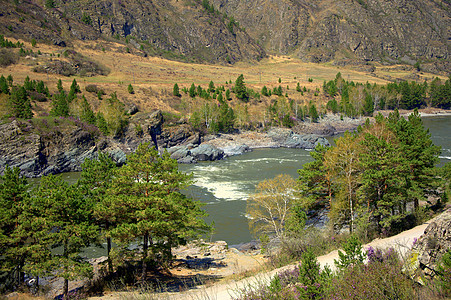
(91, 88)
(353, 254)
(7, 57)
(381, 278)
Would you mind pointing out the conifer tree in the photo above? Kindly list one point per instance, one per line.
(176, 91)
(87, 115)
(69, 214)
(154, 209)
(95, 181)
(240, 89)
(20, 103)
(192, 91)
(13, 195)
(102, 124)
(4, 85)
(60, 105)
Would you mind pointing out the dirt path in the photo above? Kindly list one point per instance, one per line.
(224, 291)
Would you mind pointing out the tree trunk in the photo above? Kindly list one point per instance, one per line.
(108, 247)
(66, 289)
(144, 261)
(66, 281)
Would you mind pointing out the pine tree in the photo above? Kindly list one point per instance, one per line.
(149, 186)
(240, 89)
(95, 181)
(227, 94)
(59, 86)
(192, 91)
(69, 214)
(13, 195)
(20, 103)
(10, 80)
(176, 91)
(4, 85)
(102, 124)
(211, 87)
(60, 105)
(87, 115)
(130, 89)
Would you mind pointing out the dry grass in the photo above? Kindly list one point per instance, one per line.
(153, 77)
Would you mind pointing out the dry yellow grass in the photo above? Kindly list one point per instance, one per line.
(153, 77)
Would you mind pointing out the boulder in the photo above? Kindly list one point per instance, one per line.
(434, 243)
(206, 152)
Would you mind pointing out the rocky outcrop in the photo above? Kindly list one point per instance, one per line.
(362, 31)
(433, 244)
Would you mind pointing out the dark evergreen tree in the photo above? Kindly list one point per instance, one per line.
(68, 218)
(192, 91)
(87, 115)
(4, 85)
(154, 209)
(20, 103)
(60, 105)
(176, 91)
(13, 195)
(95, 181)
(240, 89)
(102, 124)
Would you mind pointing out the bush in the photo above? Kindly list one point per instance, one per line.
(7, 57)
(381, 278)
(40, 97)
(92, 88)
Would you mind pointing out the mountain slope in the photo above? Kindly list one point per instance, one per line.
(181, 28)
(369, 30)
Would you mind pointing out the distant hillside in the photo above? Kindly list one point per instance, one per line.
(175, 29)
(390, 31)
(227, 31)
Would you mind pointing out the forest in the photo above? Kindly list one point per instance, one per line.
(44, 229)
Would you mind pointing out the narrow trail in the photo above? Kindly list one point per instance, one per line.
(225, 291)
(230, 290)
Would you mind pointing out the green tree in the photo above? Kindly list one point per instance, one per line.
(130, 89)
(20, 103)
(68, 219)
(59, 85)
(313, 113)
(269, 208)
(4, 85)
(176, 91)
(102, 124)
(95, 181)
(419, 153)
(154, 209)
(353, 254)
(192, 91)
(87, 115)
(211, 87)
(227, 95)
(75, 88)
(60, 105)
(240, 89)
(13, 195)
(10, 80)
(311, 277)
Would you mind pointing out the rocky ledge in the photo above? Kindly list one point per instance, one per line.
(37, 149)
(215, 147)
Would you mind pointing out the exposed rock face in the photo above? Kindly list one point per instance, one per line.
(181, 28)
(321, 31)
(434, 243)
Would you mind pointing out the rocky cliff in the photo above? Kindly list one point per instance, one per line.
(365, 30)
(182, 29)
(346, 31)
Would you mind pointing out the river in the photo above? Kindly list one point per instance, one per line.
(225, 185)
